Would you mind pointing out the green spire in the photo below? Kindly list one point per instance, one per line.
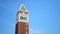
(22, 7)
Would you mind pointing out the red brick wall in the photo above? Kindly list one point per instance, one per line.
(21, 28)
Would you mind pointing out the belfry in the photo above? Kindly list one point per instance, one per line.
(22, 19)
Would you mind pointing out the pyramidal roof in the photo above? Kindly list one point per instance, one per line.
(22, 7)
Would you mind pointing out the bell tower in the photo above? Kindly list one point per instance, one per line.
(22, 19)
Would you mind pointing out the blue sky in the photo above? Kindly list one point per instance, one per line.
(44, 16)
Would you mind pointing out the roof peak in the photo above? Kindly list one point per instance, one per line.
(22, 7)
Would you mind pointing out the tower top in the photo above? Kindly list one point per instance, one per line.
(22, 8)
(22, 14)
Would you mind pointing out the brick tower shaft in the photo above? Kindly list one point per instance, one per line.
(22, 28)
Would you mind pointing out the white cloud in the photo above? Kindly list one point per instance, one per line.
(35, 31)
